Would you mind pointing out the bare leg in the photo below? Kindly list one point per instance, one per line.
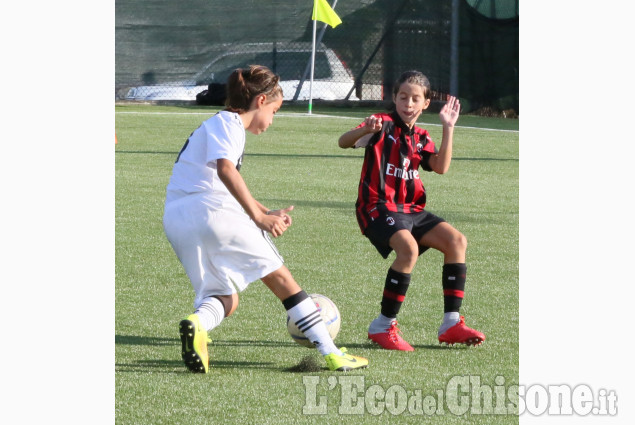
(445, 238)
(281, 283)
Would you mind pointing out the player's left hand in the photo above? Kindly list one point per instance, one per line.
(283, 213)
(450, 112)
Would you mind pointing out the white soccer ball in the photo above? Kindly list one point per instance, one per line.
(330, 315)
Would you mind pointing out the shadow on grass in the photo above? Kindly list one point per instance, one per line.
(349, 206)
(217, 364)
(441, 347)
(372, 346)
(276, 155)
(308, 363)
(145, 340)
(286, 155)
(155, 341)
(176, 366)
(151, 366)
(250, 343)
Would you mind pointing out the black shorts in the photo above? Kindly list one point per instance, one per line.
(383, 227)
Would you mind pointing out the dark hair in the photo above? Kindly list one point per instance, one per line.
(413, 77)
(245, 84)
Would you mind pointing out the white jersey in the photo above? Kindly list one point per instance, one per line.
(221, 136)
(220, 247)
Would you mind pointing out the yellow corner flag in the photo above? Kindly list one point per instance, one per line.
(322, 12)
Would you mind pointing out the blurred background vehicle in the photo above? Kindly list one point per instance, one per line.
(332, 80)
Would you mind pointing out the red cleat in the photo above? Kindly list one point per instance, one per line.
(461, 334)
(391, 339)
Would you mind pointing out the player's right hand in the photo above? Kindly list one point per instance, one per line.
(373, 123)
(273, 224)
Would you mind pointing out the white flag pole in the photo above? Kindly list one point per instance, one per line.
(312, 68)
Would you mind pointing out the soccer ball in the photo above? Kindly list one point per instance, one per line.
(330, 315)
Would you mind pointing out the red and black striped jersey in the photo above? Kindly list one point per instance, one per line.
(390, 178)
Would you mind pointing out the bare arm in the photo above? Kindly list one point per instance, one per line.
(440, 162)
(274, 222)
(348, 139)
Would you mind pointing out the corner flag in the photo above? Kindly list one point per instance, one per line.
(324, 13)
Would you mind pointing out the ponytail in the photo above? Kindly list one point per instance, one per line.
(245, 84)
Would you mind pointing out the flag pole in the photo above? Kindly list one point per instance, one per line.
(312, 68)
(324, 13)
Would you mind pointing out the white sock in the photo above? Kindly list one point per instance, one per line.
(308, 320)
(449, 319)
(211, 312)
(380, 324)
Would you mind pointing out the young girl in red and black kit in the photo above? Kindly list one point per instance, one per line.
(390, 207)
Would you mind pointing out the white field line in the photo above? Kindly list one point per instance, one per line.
(305, 115)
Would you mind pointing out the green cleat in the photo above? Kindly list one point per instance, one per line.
(345, 362)
(194, 344)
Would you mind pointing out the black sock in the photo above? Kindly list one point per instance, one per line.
(453, 286)
(394, 292)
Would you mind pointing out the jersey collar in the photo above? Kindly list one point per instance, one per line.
(402, 125)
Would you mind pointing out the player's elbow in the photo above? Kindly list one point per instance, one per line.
(438, 165)
(442, 170)
(342, 143)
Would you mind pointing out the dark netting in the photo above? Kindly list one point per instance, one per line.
(168, 50)
(488, 54)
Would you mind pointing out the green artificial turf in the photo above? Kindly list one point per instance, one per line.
(254, 376)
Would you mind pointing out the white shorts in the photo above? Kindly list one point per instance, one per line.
(221, 250)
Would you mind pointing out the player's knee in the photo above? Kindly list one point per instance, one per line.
(233, 306)
(230, 303)
(407, 254)
(457, 243)
(281, 278)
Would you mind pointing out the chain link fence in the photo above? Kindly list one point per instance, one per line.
(173, 51)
